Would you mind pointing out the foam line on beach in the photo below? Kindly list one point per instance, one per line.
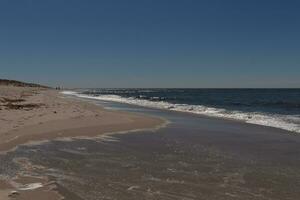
(286, 122)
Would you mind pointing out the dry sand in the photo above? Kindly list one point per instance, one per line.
(34, 114)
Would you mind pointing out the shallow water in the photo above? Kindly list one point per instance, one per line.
(193, 157)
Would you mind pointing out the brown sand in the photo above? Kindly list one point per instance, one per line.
(5, 190)
(47, 192)
(33, 114)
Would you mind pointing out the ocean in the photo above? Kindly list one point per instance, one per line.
(278, 108)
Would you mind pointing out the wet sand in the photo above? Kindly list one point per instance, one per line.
(29, 115)
(194, 158)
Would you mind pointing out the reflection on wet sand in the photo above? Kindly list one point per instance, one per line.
(189, 159)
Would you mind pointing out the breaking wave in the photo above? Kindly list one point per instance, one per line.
(286, 122)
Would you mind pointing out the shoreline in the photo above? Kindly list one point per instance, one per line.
(34, 115)
(277, 121)
(66, 121)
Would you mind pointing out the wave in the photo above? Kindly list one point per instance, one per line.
(286, 122)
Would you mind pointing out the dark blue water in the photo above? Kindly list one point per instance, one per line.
(279, 101)
(278, 108)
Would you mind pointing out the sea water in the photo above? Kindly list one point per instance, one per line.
(278, 108)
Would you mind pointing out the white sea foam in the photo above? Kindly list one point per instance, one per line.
(286, 122)
(31, 186)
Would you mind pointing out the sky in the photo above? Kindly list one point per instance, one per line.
(151, 43)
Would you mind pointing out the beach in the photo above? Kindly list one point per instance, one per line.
(29, 115)
(82, 148)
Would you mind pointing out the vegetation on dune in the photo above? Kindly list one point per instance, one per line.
(19, 83)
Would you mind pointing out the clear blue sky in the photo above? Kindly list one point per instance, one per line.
(151, 43)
